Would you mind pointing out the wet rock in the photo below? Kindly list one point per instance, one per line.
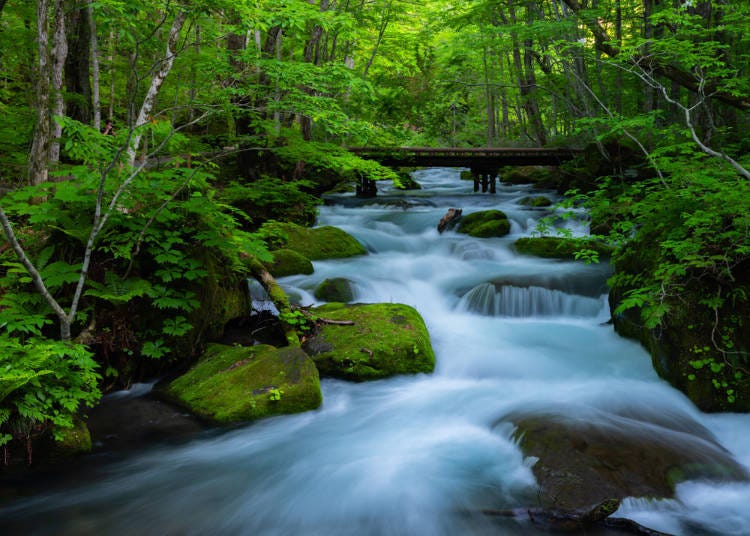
(553, 247)
(314, 243)
(450, 219)
(336, 289)
(288, 262)
(126, 423)
(584, 461)
(233, 384)
(406, 181)
(485, 224)
(541, 176)
(385, 339)
(535, 201)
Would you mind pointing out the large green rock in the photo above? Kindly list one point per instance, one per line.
(554, 247)
(385, 339)
(584, 461)
(320, 242)
(288, 262)
(335, 289)
(232, 384)
(484, 224)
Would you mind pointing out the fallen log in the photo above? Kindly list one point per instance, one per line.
(450, 219)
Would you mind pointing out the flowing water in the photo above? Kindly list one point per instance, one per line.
(419, 455)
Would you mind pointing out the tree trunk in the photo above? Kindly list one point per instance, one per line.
(95, 83)
(59, 55)
(156, 82)
(39, 156)
(78, 65)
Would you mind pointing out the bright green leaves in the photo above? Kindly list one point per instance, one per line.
(43, 383)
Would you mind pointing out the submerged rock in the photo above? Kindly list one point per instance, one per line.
(485, 224)
(582, 462)
(288, 262)
(385, 339)
(316, 243)
(232, 384)
(336, 289)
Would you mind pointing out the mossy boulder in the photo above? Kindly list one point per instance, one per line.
(316, 243)
(584, 461)
(541, 176)
(234, 384)
(538, 201)
(384, 340)
(554, 247)
(336, 289)
(484, 224)
(289, 262)
(406, 181)
(467, 175)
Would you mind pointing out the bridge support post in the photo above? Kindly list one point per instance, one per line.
(493, 183)
(366, 188)
(475, 175)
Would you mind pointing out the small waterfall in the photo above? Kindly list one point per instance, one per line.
(521, 302)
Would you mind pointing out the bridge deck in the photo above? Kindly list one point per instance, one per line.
(476, 158)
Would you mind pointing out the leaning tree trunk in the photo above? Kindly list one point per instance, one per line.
(39, 156)
(156, 82)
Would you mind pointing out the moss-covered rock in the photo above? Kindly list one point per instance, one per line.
(466, 175)
(406, 181)
(386, 339)
(288, 262)
(535, 201)
(554, 247)
(542, 176)
(336, 289)
(233, 384)
(316, 243)
(484, 224)
(582, 462)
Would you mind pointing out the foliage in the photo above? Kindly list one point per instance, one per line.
(43, 384)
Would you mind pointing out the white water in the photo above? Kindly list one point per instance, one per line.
(417, 455)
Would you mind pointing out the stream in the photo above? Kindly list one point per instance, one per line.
(419, 455)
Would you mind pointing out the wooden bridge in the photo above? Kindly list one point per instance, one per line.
(484, 163)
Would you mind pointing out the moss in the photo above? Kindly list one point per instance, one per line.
(406, 181)
(386, 339)
(553, 247)
(232, 384)
(538, 175)
(535, 201)
(75, 440)
(288, 262)
(467, 176)
(337, 289)
(321, 242)
(485, 224)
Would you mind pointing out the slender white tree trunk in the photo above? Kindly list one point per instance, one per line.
(39, 156)
(156, 82)
(59, 54)
(96, 88)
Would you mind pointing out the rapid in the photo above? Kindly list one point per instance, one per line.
(416, 455)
